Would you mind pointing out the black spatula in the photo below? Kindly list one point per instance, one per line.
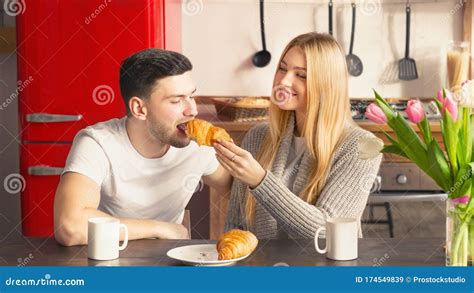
(407, 66)
(330, 17)
(354, 64)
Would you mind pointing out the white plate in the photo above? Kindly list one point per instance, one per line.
(200, 255)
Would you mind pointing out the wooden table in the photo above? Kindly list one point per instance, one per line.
(152, 252)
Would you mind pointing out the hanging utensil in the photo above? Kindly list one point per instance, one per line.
(262, 58)
(407, 66)
(330, 17)
(354, 64)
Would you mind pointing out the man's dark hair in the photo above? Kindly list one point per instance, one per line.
(140, 71)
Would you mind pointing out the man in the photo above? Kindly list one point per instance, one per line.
(142, 169)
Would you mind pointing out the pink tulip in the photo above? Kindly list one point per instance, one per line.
(461, 200)
(440, 96)
(415, 111)
(375, 114)
(451, 107)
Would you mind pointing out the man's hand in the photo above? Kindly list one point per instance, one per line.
(172, 231)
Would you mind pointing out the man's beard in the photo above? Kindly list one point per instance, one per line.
(166, 134)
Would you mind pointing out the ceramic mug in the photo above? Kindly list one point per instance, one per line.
(341, 238)
(103, 238)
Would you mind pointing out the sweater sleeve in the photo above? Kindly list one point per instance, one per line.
(345, 194)
(235, 213)
(235, 219)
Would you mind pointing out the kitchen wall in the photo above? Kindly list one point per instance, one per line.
(220, 37)
(10, 226)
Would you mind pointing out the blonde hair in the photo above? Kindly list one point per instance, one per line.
(327, 112)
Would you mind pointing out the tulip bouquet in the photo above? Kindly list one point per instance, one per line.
(450, 168)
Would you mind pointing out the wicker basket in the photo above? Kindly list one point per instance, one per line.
(242, 109)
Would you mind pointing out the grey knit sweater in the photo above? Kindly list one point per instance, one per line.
(280, 212)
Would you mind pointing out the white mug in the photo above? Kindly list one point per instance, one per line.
(341, 238)
(103, 236)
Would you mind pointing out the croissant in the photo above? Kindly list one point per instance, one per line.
(204, 133)
(236, 243)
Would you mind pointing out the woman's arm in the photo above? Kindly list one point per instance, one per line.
(344, 195)
(235, 212)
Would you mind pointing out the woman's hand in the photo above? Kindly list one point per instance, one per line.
(239, 163)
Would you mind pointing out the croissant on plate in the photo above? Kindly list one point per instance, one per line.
(236, 243)
(204, 133)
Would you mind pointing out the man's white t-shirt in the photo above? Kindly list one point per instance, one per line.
(132, 186)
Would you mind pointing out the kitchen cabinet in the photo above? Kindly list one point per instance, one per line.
(7, 39)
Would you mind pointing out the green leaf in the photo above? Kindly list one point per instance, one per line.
(389, 112)
(459, 121)
(394, 149)
(470, 204)
(410, 142)
(467, 130)
(389, 137)
(425, 129)
(380, 99)
(443, 133)
(465, 187)
(439, 168)
(450, 135)
(439, 105)
(461, 149)
(464, 147)
(471, 136)
(462, 183)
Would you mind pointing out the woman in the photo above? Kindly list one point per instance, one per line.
(307, 165)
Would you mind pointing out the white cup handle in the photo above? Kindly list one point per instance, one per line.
(125, 240)
(325, 249)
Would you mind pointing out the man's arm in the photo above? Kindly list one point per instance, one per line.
(77, 199)
(220, 180)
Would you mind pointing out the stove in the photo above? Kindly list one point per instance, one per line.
(358, 108)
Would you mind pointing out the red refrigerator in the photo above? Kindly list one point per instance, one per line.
(69, 54)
